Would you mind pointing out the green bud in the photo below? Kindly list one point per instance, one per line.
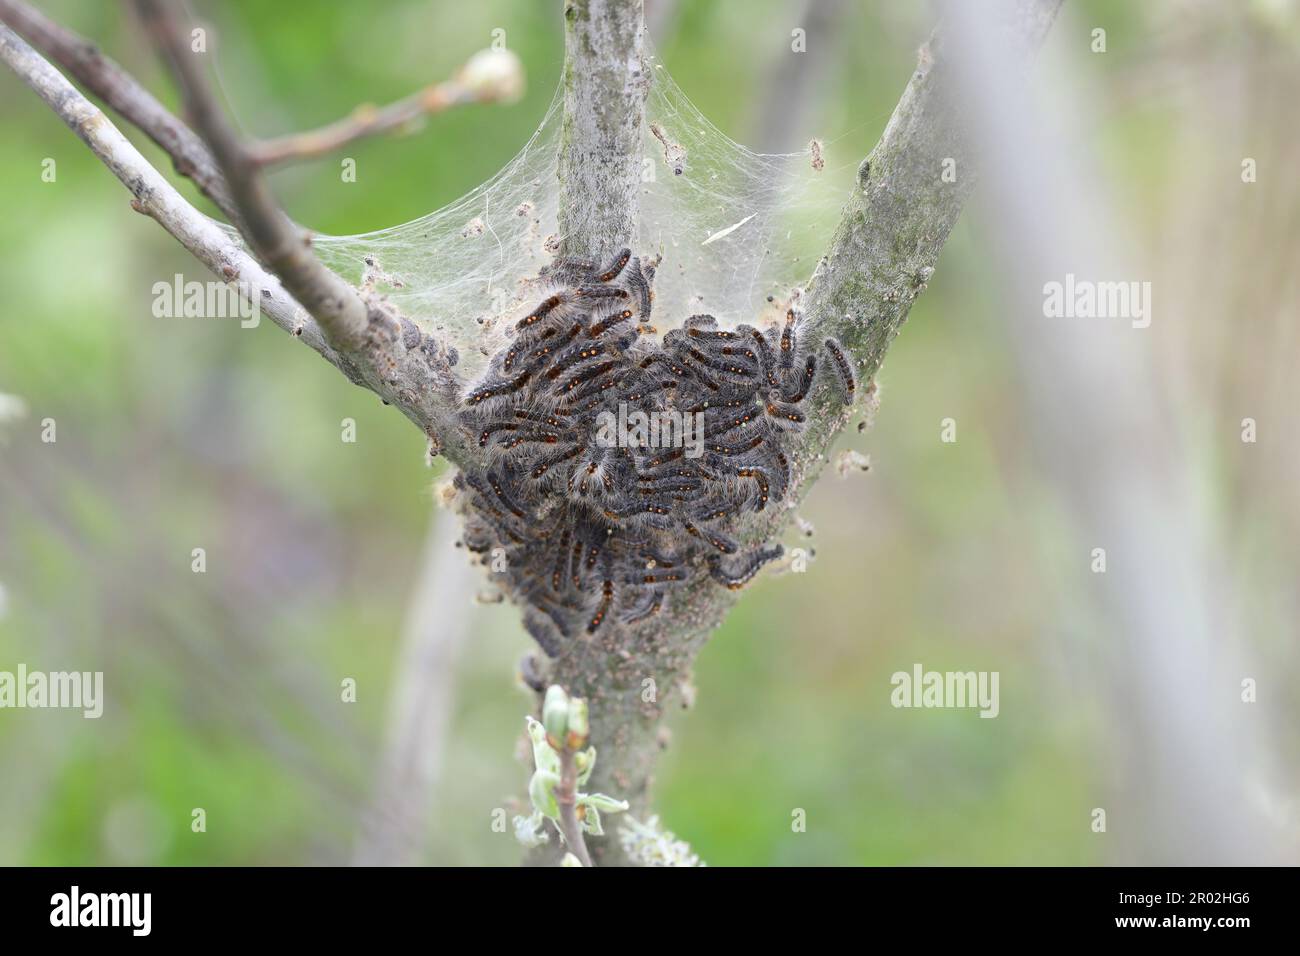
(570, 860)
(555, 714)
(591, 821)
(577, 721)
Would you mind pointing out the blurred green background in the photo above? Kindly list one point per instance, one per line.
(223, 687)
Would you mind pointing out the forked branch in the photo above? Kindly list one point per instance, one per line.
(334, 303)
(88, 65)
(153, 196)
(885, 249)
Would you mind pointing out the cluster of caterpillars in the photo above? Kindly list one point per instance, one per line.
(584, 528)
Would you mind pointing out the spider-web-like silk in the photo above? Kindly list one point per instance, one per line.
(734, 228)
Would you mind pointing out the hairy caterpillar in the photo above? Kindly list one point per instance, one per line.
(592, 528)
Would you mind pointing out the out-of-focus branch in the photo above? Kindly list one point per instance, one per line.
(121, 91)
(336, 305)
(661, 17)
(605, 82)
(437, 624)
(490, 76)
(1130, 475)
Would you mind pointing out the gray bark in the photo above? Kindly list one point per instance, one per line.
(605, 82)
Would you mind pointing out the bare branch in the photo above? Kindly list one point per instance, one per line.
(394, 831)
(897, 220)
(605, 82)
(363, 336)
(335, 304)
(491, 76)
(566, 799)
(121, 91)
(153, 195)
(416, 376)
(376, 345)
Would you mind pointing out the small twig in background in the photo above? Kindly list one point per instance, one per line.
(394, 830)
(490, 76)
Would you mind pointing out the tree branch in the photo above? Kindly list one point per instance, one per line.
(394, 830)
(416, 376)
(335, 304)
(152, 194)
(116, 87)
(386, 351)
(566, 799)
(884, 251)
(491, 76)
(605, 82)
(897, 220)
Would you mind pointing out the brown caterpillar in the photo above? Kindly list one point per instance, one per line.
(848, 377)
(594, 528)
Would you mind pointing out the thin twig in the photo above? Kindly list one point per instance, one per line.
(121, 91)
(335, 304)
(566, 798)
(368, 120)
(418, 382)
